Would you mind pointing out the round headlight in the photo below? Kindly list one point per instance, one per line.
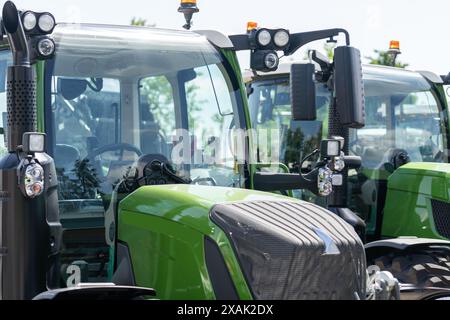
(36, 173)
(325, 188)
(281, 38)
(46, 22)
(46, 47)
(264, 37)
(339, 164)
(29, 21)
(271, 60)
(34, 180)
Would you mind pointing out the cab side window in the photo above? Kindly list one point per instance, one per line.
(157, 115)
(5, 61)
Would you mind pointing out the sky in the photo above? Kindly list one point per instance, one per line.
(418, 24)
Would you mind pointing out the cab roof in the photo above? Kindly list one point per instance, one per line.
(127, 51)
(285, 67)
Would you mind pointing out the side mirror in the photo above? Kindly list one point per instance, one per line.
(303, 92)
(446, 79)
(349, 87)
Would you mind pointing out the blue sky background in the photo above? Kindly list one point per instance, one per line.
(420, 25)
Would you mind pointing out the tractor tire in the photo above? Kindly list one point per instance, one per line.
(423, 270)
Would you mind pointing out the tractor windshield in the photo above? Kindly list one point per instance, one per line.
(117, 94)
(402, 113)
(120, 93)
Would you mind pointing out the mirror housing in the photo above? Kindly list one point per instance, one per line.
(349, 87)
(446, 79)
(303, 92)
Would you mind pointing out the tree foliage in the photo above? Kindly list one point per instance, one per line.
(384, 58)
(84, 186)
(329, 50)
(141, 22)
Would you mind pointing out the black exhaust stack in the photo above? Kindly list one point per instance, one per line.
(21, 83)
(30, 228)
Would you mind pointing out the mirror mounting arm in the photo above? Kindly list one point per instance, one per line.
(270, 182)
(298, 40)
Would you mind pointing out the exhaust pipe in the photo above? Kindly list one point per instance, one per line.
(21, 84)
(30, 227)
(16, 35)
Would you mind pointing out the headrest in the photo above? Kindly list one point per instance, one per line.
(71, 88)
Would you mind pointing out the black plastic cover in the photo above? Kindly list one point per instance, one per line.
(221, 280)
(441, 217)
(30, 233)
(349, 87)
(294, 250)
(303, 92)
(123, 274)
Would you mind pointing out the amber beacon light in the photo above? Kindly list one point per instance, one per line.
(188, 8)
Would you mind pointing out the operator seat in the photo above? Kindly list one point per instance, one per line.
(152, 140)
(267, 107)
(65, 158)
(106, 117)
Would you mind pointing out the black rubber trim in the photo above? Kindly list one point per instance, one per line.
(221, 280)
(123, 273)
(97, 292)
(49, 123)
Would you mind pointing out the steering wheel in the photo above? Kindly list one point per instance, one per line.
(112, 147)
(355, 146)
(199, 180)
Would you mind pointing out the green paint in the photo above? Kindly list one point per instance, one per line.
(165, 226)
(188, 204)
(408, 207)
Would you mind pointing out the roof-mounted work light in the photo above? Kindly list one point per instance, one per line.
(45, 48)
(264, 44)
(38, 23)
(269, 39)
(264, 60)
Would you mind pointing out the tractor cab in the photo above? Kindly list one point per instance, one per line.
(406, 121)
(114, 95)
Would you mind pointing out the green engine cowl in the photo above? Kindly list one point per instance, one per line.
(198, 242)
(418, 202)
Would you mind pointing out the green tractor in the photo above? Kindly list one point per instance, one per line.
(125, 175)
(400, 191)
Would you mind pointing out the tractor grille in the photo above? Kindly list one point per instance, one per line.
(294, 250)
(441, 216)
